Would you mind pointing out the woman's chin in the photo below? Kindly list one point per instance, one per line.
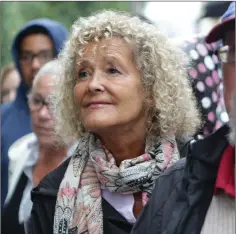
(97, 126)
(46, 141)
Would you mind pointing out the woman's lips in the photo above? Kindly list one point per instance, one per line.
(97, 105)
(44, 131)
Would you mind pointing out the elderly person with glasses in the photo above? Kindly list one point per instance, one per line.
(125, 94)
(226, 55)
(34, 155)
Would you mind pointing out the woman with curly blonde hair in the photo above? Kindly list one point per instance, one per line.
(125, 94)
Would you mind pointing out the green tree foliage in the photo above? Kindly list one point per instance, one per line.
(15, 14)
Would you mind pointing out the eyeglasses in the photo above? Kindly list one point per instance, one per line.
(226, 54)
(37, 103)
(43, 56)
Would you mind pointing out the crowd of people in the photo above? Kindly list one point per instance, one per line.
(102, 131)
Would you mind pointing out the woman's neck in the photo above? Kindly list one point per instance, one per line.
(51, 155)
(125, 145)
(49, 159)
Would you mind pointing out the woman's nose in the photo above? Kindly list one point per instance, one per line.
(96, 83)
(44, 112)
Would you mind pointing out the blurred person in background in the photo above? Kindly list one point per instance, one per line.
(226, 53)
(10, 81)
(38, 42)
(34, 155)
(125, 94)
(197, 195)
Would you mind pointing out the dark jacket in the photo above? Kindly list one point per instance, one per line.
(15, 116)
(183, 193)
(10, 215)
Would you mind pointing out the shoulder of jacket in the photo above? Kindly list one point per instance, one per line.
(6, 109)
(163, 192)
(168, 180)
(175, 168)
(50, 184)
(212, 144)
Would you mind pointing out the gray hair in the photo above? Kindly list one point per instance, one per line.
(162, 65)
(51, 68)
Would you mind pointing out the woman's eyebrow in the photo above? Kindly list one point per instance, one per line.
(85, 62)
(113, 59)
(36, 94)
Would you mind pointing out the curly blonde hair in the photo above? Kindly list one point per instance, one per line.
(162, 65)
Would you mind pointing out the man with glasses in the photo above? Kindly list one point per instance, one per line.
(225, 31)
(38, 42)
(197, 194)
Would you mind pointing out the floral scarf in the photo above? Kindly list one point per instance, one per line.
(79, 202)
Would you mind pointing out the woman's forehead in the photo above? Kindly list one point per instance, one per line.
(114, 46)
(44, 84)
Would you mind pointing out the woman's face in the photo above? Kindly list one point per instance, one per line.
(229, 73)
(108, 90)
(43, 122)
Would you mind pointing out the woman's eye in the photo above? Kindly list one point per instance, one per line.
(37, 101)
(83, 74)
(113, 71)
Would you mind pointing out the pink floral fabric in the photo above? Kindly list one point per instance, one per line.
(78, 207)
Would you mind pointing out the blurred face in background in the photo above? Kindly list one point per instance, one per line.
(229, 69)
(42, 118)
(10, 83)
(35, 51)
(232, 117)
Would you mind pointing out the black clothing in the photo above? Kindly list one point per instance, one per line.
(183, 193)
(10, 215)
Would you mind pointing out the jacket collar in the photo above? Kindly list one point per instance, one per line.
(210, 149)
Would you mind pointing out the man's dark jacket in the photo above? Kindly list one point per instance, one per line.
(179, 200)
(183, 193)
(15, 116)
